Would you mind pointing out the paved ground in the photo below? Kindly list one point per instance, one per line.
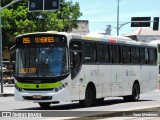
(8, 90)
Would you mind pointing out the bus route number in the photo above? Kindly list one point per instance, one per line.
(26, 40)
(38, 40)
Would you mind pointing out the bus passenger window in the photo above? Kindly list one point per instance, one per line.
(90, 53)
(152, 56)
(103, 55)
(146, 56)
(126, 55)
(135, 55)
(116, 54)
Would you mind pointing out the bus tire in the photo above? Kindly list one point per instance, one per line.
(44, 105)
(135, 94)
(90, 97)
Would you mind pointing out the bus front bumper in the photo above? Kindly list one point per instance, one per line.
(62, 95)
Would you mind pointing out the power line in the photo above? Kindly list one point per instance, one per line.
(107, 22)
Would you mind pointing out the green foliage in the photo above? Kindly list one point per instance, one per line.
(17, 20)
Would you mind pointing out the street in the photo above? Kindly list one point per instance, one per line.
(115, 104)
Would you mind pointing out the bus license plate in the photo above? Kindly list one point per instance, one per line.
(37, 97)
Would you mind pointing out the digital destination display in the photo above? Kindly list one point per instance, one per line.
(27, 70)
(28, 40)
(40, 39)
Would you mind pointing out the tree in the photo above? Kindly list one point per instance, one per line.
(17, 20)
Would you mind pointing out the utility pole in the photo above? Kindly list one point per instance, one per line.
(1, 59)
(118, 18)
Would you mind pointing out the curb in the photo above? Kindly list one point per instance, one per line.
(6, 94)
(117, 114)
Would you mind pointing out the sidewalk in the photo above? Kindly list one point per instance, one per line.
(8, 90)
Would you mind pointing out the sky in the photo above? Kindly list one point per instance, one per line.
(100, 13)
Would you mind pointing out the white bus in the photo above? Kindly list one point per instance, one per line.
(56, 66)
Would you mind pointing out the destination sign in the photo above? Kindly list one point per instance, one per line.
(40, 39)
(27, 70)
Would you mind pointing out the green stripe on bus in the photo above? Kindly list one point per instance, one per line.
(38, 86)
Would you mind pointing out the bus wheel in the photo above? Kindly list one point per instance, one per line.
(135, 94)
(44, 105)
(90, 97)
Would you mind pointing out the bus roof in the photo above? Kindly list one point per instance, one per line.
(155, 42)
(96, 37)
(114, 39)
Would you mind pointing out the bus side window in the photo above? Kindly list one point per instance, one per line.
(103, 55)
(126, 55)
(152, 56)
(144, 55)
(135, 55)
(116, 54)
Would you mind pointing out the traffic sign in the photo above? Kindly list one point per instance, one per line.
(37, 5)
(156, 23)
(51, 4)
(140, 21)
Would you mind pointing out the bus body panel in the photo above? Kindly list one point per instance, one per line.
(127, 80)
(145, 79)
(105, 79)
(154, 78)
(116, 78)
(91, 74)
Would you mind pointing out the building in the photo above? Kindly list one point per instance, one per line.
(83, 27)
(144, 34)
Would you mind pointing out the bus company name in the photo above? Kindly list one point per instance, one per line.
(38, 40)
(27, 70)
(130, 73)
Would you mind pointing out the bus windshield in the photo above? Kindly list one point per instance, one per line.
(41, 62)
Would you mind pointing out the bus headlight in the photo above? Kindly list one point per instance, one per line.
(56, 89)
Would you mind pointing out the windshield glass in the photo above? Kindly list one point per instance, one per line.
(41, 62)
